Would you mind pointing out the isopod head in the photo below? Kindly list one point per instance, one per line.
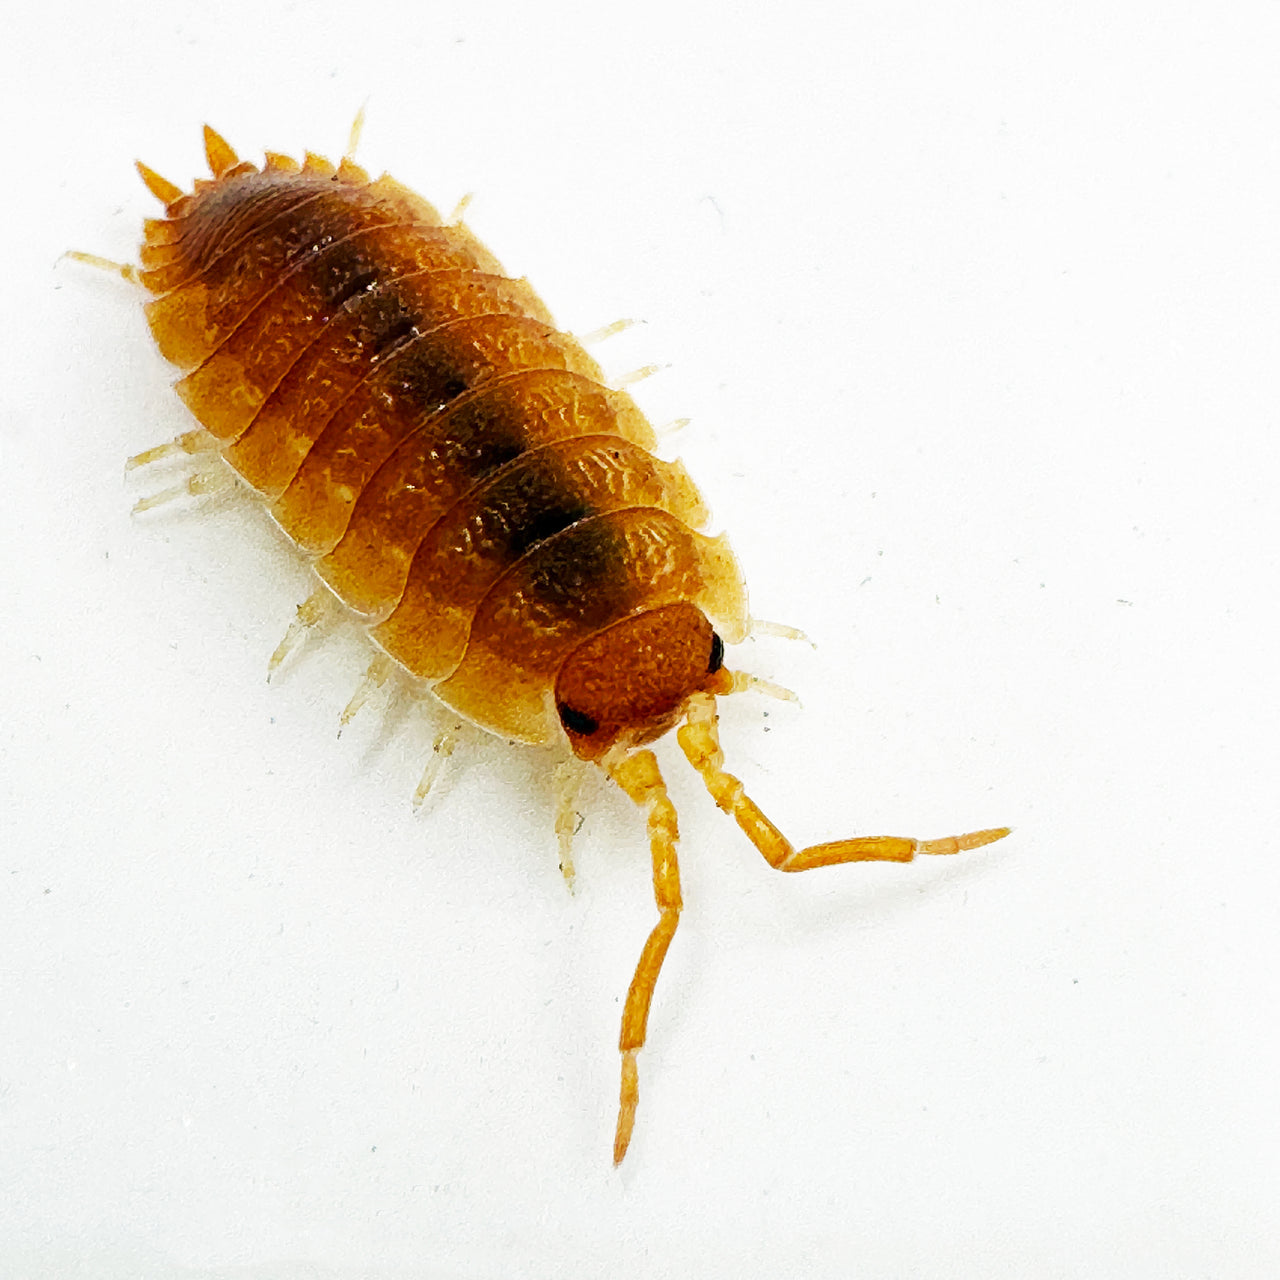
(630, 683)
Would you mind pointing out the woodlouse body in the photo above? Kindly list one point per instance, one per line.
(465, 484)
(416, 423)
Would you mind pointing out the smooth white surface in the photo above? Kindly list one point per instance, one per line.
(976, 312)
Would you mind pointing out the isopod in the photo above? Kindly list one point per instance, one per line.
(467, 486)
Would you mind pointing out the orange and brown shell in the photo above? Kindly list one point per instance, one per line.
(457, 469)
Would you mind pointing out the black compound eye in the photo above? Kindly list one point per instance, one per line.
(576, 721)
(716, 660)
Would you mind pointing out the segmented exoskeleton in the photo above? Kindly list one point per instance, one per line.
(466, 484)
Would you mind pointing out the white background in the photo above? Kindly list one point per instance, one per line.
(976, 311)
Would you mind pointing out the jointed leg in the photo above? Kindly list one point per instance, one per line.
(316, 608)
(189, 443)
(700, 741)
(569, 778)
(381, 668)
(207, 478)
(639, 777)
(445, 744)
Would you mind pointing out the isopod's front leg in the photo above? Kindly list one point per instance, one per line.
(638, 775)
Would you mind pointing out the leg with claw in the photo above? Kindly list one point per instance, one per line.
(445, 744)
(381, 669)
(188, 444)
(569, 778)
(198, 484)
(311, 612)
(606, 331)
(639, 777)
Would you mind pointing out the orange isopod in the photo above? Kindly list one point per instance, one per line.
(466, 486)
